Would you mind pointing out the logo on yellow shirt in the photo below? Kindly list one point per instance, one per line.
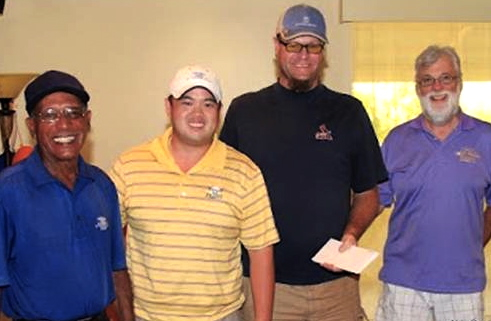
(214, 192)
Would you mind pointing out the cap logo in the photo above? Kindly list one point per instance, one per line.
(199, 75)
(306, 22)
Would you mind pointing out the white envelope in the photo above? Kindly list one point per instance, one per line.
(355, 259)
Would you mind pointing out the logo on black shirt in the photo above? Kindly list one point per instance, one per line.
(323, 133)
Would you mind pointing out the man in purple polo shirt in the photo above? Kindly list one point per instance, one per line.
(439, 181)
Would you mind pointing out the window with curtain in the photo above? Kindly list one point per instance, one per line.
(383, 67)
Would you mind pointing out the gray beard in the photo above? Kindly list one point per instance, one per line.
(441, 117)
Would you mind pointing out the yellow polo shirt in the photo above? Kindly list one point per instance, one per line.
(185, 229)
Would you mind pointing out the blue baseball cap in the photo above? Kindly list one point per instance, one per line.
(50, 82)
(302, 20)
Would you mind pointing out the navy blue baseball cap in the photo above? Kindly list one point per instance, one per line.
(302, 20)
(50, 82)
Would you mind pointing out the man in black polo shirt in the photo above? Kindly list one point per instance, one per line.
(321, 162)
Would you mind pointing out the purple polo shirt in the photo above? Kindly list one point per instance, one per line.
(439, 190)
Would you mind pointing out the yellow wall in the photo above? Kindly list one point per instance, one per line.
(126, 51)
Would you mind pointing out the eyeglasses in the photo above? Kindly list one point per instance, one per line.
(52, 115)
(444, 79)
(295, 47)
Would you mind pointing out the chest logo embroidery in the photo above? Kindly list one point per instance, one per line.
(214, 192)
(323, 133)
(468, 155)
(102, 223)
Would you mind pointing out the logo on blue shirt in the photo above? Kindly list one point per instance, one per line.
(102, 223)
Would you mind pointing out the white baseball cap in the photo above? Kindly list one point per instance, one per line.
(193, 76)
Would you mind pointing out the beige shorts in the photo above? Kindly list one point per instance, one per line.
(330, 301)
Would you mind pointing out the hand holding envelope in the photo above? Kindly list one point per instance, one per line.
(355, 259)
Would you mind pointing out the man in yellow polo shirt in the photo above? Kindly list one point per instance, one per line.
(188, 202)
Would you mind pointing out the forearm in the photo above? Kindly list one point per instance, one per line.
(262, 282)
(124, 295)
(487, 225)
(365, 207)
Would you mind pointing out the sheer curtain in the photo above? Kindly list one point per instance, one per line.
(383, 78)
(383, 72)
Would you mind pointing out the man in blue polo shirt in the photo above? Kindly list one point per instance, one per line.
(439, 181)
(61, 246)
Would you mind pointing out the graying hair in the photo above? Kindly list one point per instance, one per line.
(432, 53)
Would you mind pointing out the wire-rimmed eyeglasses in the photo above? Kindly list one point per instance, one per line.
(445, 79)
(51, 115)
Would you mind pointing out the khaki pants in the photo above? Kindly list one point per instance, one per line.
(337, 300)
(231, 317)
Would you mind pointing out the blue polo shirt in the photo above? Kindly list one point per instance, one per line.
(439, 190)
(58, 247)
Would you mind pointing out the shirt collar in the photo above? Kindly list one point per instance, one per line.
(40, 174)
(466, 122)
(213, 158)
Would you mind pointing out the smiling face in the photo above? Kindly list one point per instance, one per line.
(59, 140)
(299, 71)
(439, 100)
(194, 118)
